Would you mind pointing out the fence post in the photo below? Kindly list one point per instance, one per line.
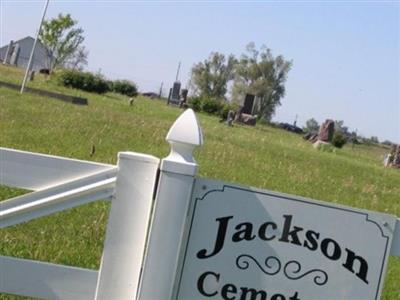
(167, 232)
(127, 227)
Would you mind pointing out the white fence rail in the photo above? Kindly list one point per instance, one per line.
(59, 183)
(35, 205)
(44, 280)
(33, 171)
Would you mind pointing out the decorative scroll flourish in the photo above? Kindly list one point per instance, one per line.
(272, 264)
(293, 268)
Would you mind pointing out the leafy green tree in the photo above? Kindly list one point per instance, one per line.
(311, 126)
(258, 72)
(210, 78)
(62, 39)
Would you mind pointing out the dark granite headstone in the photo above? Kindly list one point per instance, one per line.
(176, 88)
(184, 94)
(248, 104)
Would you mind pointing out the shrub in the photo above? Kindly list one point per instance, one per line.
(125, 87)
(195, 103)
(83, 81)
(223, 112)
(110, 84)
(326, 148)
(211, 106)
(263, 121)
(339, 140)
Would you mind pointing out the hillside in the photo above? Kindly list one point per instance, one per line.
(262, 157)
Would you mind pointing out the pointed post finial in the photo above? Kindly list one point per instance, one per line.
(184, 135)
(171, 209)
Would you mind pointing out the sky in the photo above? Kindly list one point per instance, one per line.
(345, 54)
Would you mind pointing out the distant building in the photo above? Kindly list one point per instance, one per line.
(17, 53)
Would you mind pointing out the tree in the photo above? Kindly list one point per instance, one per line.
(387, 143)
(62, 40)
(312, 126)
(78, 60)
(210, 78)
(339, 127)
(261, 74)
(374, 139)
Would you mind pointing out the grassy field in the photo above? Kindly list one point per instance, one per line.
(263, 157)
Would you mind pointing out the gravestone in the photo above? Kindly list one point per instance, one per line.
(307, 136)
(15, 55)
(326, 131)
(174, 94)
(176, 88)
(249, 119)
(230, 118)
(31, 75)
(8, 53)
(184, 94)
(396, 156)
(248, 104)
(313, 138)
(243, 118)
(238, 114)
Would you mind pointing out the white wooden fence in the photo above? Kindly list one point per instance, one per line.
(145, 237)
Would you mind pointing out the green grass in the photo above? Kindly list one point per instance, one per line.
(263, 157)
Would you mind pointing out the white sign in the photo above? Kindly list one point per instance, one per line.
(253, 244)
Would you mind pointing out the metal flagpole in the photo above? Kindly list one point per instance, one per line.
(160, 94)
(28, 67)
(177, 72)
